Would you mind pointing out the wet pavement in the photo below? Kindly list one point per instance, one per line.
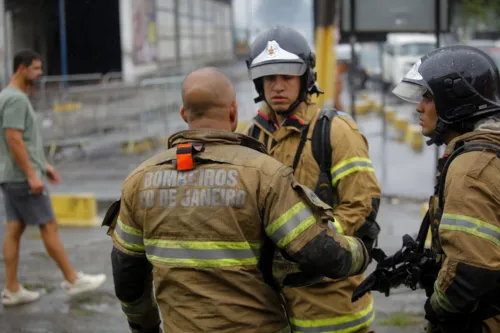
(406, 179)
(89, 251)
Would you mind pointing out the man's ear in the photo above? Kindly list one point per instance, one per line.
(233, 115)
(183, 114)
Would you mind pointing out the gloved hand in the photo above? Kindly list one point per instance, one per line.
(432, 328)
(442, 321)
(134, 328)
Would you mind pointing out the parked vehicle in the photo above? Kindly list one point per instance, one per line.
(401, 51)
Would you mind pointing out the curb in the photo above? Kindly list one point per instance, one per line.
(75, 209)
(103, 203)
(407, 133)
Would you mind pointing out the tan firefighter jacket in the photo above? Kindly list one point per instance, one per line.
(327, 306)
(200, 212)
(468, 235)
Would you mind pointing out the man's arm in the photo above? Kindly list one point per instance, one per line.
(353, 176)
(132, 272)
(18, 149)
(469, 232)
(297, 221)
(13, 124)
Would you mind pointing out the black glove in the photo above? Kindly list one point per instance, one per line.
(442, 321)
(139, 329)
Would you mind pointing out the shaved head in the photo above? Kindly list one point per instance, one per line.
(207, 92)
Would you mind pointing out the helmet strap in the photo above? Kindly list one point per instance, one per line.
(437, 138)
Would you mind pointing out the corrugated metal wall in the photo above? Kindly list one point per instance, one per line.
(193, 31)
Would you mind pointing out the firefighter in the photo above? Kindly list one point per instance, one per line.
(194, 218)
(281, 66)
(458, 95)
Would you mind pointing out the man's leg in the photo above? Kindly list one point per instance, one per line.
(75, 282)
(36, 209)
(56, 250)
(14, 293)
(11, 244)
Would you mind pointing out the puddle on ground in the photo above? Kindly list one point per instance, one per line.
(91, 303)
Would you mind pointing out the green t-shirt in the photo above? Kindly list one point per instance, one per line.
(17, 112)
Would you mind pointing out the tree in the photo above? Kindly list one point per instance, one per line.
(479, 10)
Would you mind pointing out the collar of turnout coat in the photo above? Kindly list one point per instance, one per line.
(475, 136)
(215, 137)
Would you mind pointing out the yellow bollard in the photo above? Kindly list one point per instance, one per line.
(377, 107)
(401, 124)
(390, 115)
(75, 209)
(414, 138)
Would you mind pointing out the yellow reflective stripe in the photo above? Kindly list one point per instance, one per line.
(291, 224)
(342, 324)
(471, 226)
(357, 256)
(349, 166)
(128, 237)
(336, 226)
(128, 229)
(443, 302)
(201, 253)
(276, 224)
(133, 309)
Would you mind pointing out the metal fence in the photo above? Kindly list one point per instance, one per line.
(109, 113)
(52, 89)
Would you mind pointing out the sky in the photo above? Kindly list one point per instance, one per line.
(262, 14)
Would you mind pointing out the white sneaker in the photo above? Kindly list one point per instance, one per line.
(19, 297)
(83, 283)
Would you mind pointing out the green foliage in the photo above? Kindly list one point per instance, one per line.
(479, 10)
(401, 319)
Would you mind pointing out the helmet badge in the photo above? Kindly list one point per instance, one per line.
(272, 49)
(413, 73)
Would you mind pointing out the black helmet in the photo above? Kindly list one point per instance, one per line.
(464, 82)
(282, 51)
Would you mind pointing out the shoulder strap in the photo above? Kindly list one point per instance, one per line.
(254, 132)
(302, 143)
(321, 147)
(463, 147)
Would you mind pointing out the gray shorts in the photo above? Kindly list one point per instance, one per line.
(21, 205)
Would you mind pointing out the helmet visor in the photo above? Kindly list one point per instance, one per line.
(410, 92)
(278, 68)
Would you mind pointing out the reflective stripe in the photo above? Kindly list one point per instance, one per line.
(443, 302)
(288, 226)
(471, 226)
(128, 237)
(134, 309)
(342, 324)
(335, 225)
(349, 166)
(202, 254)
(357, 256)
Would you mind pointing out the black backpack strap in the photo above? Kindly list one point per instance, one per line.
(461, 148)
(322, 148)
(254, 132)
(322, 152)
(300, 148)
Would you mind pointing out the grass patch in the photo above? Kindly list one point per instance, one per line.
(400, 319)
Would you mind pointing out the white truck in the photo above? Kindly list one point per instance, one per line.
(401, 51)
